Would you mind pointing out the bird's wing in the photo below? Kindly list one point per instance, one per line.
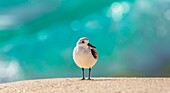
(94, 53)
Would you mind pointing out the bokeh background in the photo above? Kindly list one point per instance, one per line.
(37, 37)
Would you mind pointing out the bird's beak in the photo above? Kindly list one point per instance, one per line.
(91, 45)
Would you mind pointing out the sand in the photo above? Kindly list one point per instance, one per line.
(97, 85)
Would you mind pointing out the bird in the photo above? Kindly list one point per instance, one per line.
(85, 55)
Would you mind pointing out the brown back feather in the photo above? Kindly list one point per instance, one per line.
(94, 53)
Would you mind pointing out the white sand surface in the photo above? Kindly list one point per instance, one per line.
(97, 85)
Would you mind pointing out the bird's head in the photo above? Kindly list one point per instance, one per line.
(83, 41)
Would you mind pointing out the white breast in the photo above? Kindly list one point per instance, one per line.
(83, 57)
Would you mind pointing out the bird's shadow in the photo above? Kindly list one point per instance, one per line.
(99, 79)
(102, 79)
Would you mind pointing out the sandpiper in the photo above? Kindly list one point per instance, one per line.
(85, 55)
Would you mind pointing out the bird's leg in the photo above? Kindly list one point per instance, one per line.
(89, 73)
(83, 74)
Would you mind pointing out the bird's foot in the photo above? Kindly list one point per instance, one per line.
(83, 79)
(89, 79)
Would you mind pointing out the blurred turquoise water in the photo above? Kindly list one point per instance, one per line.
(37, 37)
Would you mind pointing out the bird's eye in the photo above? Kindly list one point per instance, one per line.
(82, 41)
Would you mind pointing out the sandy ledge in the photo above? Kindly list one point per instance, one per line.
(97, 85)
